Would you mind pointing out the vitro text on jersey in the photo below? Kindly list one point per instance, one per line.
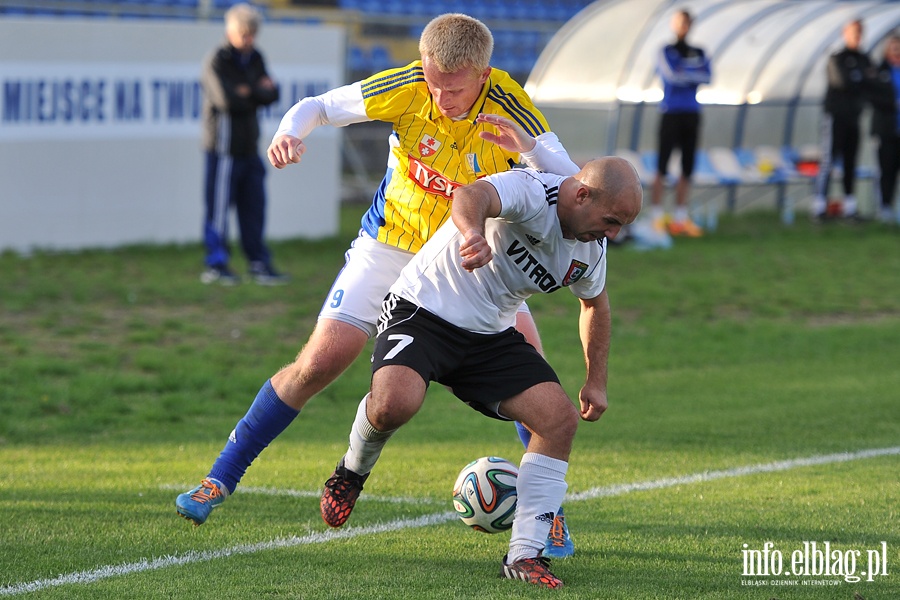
(534, 269)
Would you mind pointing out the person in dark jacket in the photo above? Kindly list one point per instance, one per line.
(235, 84)
(682, 68)
(886, 125)
(850, 73)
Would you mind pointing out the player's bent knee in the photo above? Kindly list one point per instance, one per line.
(567, 426)
(387, 412)
(557, 421)
(331, 349)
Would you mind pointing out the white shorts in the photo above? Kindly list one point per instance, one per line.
(370, 269)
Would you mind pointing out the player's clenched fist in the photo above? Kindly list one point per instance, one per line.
(285, 150)
(475, 251)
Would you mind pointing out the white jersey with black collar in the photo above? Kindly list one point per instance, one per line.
(530, 256)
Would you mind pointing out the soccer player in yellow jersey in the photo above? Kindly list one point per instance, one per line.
(455, 119)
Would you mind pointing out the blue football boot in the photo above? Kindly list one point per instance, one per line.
(559, 542)
(196, 504)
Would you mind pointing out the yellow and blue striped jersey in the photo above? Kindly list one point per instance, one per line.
(432, 153)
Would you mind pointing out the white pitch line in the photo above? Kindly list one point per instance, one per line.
(108, 571)
(196, 557)
(782, 465)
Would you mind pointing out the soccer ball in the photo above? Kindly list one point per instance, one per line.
(484, 495)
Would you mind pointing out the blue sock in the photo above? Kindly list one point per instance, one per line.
(524, 434)
(267, 418)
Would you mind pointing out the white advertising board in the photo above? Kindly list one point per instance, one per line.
(100, 131)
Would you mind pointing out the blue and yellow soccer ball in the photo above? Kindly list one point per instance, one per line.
(484, 495)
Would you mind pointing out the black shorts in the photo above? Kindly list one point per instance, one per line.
(678, 130)
(481, 369)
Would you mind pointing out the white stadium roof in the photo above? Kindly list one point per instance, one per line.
(763, 52)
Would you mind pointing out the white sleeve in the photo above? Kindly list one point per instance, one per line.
(549, 156)
(522, 194)
(339, 107)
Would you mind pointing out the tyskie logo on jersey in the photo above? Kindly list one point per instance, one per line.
(430, 180)
(576, 271)
(428, 146)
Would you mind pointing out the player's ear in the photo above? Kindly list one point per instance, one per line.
(582, 195)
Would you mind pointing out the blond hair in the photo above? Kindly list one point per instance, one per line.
(455, 41)
(244, 16)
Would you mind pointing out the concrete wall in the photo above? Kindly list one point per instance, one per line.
(100, 135)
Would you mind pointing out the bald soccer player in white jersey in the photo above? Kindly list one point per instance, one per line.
(455, 119)
(450, 318)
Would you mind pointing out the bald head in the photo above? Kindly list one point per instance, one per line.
(612, 176)
(615, 184)
(598, 200)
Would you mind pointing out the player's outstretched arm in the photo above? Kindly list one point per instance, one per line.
(338, 107)
(285, 150)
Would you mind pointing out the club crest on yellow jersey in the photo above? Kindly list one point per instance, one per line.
(474, 167)
(428, 146)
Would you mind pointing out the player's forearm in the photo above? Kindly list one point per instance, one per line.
(472, 206)
(550, 156)
(302, 118)
(595, 324)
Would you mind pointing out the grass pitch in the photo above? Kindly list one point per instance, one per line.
(732, 356)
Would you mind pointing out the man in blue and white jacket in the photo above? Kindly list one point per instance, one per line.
(682, 68)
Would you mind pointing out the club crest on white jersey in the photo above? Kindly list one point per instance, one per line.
(576, 271)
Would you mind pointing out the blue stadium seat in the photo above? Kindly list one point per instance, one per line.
(358, 59)
(493, 9)
(370, 6)
(420, 7)
(381, 58)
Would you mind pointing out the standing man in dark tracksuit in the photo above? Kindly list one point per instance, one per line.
(682, 68)
(235, 84)
(886, 125)
(850, 74)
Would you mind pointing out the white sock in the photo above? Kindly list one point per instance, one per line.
(366, 442)
(541, 487)
(850, 206)
(819, 205)
(657, 212)
(681, 214)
